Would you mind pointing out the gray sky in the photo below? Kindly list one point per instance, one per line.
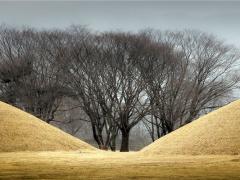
(219, 18)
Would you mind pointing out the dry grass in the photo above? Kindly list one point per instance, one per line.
(208, 148)
(215, 133)
(20, 131)
(107, 165)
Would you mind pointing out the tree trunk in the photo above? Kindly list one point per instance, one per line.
(113, 138)
(125, 141)
(113, 145)
(96, 136)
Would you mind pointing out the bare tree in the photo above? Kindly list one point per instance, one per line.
(127, 101)
(198, 75)
(29, 68)
(163, 80)
(104, 75)
(84, 69)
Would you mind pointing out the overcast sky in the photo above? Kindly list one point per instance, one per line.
(219, 18)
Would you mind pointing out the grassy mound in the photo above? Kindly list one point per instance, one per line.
(215, 133)
(20, 131)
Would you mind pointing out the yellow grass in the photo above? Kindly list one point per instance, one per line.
(107, 165)
(215, 133)
(20, 131)
(205, 149)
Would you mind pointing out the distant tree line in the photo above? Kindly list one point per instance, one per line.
(162, 79)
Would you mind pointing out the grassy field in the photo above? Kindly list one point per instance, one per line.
(208, 148)
(109, 165)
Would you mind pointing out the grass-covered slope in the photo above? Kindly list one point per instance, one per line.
(20, 131)
(215, 133)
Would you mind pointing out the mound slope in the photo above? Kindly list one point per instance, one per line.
(215, 133)
(20, 131)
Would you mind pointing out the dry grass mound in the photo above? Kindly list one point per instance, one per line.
(20, 131)
(215, 133)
